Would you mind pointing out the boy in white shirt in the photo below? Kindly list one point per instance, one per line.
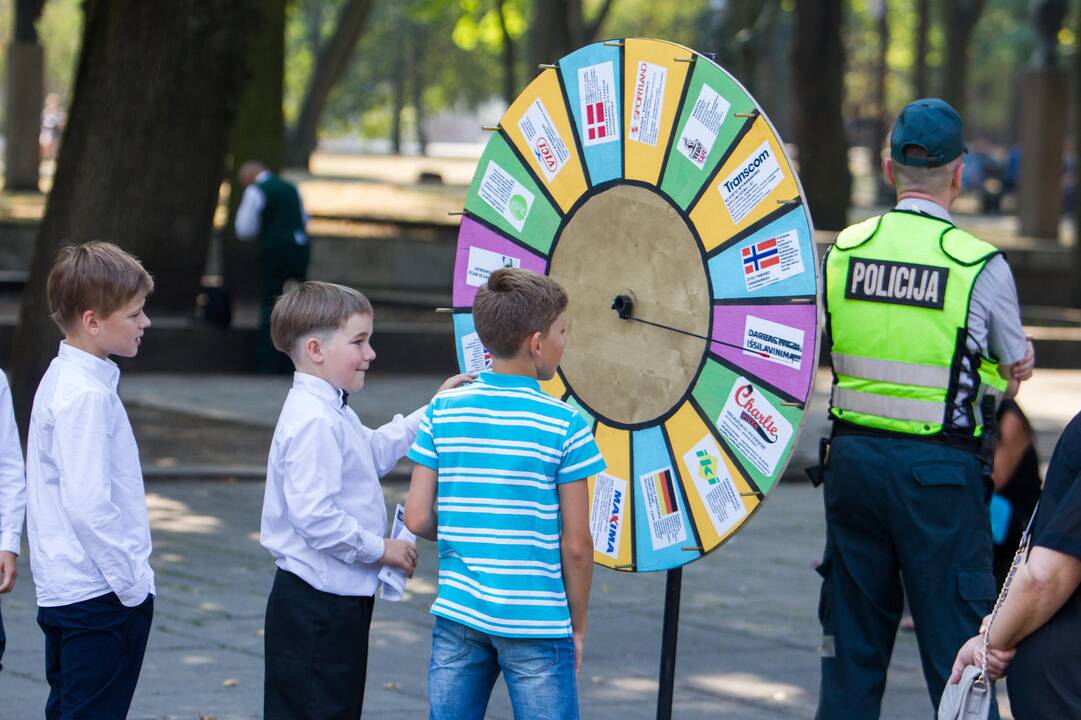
(12, 497)
(86, 508)
(324, 518)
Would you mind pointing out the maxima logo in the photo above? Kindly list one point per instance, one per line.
(613, 521)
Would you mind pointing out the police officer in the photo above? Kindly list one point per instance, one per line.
(926, 332)
(271, 209)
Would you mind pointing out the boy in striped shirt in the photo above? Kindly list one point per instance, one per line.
(500, 481)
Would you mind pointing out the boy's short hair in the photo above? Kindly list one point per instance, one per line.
(312, 308)
(513, 305)
(96, 276)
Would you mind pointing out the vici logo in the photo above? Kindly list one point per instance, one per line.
(544, 153)
(760, 422)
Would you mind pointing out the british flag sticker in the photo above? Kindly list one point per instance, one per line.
(771, 260)
(597, 95)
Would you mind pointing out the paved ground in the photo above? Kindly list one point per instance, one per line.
(748, 632)
(747, 646)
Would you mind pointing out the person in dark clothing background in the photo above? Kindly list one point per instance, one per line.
(272, 210)
(1017, 484)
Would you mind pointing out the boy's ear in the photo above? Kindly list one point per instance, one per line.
(90, 321)
(534, 343)
(313, 349)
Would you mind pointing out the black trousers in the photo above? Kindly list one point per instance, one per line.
(93, 654)
(3, 640)
(908, 511)
(316, 647)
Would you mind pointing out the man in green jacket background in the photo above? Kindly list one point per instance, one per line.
(271, 209)
(926, 335)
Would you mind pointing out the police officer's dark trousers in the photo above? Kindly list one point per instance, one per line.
(899, 509)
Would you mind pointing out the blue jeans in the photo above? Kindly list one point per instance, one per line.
(465, 664)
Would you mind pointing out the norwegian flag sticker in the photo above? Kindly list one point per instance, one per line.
(772, 260)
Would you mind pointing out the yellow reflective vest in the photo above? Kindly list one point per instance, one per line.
(897, 289)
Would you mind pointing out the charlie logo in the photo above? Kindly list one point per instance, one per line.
(544, 153)
(707, 466)
(762, 423)
(613, 522)
(897, 283)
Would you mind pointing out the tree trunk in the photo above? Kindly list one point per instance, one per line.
(510, 82)
(417, 86)
(154, 100)
(333, 59)
(960, 18)
(884, 192)
(259, 134)
(743, 31)
(313, 25)
(397, 101)
(591, 30)
(818, 127)
(25, 84)
(559, 28)
(923, 30)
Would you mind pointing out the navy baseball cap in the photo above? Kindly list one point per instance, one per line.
(932, 125)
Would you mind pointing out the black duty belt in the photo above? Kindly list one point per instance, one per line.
(960, 442)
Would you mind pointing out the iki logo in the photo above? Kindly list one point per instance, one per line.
(707, 466)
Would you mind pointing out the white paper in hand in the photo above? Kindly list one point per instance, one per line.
(392, 579)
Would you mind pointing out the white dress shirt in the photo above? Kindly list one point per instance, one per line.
(324, 518)
(12, 479)
(87, 521)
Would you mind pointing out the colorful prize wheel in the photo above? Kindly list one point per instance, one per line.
(640, 174)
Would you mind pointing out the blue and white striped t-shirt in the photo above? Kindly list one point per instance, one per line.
(500, 447)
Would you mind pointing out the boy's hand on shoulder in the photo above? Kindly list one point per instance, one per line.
(400, 554)
(7, 571)
(456, 381)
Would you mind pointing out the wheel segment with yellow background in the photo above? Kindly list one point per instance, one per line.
(639, 173)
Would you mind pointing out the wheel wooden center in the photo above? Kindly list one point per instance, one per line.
(629, 240)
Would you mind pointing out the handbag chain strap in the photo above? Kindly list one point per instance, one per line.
(1022, 548)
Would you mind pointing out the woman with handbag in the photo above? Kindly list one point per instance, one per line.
(1037, 621)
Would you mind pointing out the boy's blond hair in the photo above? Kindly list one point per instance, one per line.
(313, 308)
(96, 276)
(513, 305)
